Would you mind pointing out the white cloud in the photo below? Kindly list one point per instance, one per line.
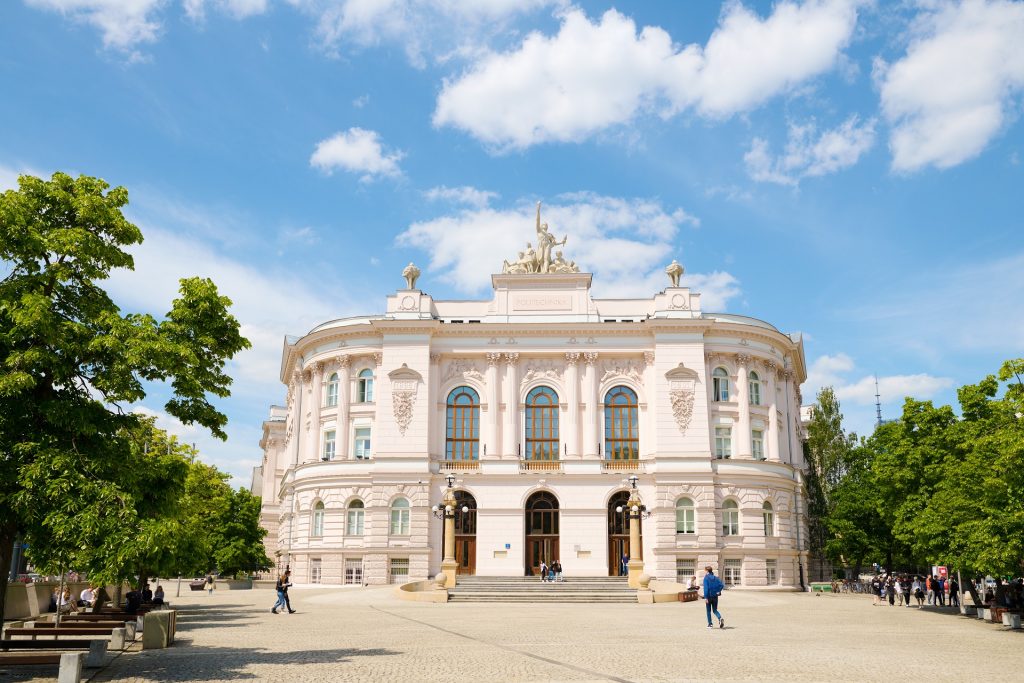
(809, 154)
(461, 195)
(954, 89)
(237, 9)
(594, 75)
(361, 101)
(835, 371)
(420, 27)
(626, 242)
(9, 176)
(123, 23)
(358, 151)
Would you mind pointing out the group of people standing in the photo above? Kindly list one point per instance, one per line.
(551, 573)
(900, 589)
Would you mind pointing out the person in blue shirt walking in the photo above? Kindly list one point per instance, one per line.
(713, 587)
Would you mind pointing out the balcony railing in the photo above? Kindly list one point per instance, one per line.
(620, 465)
(460, 465)
(540, 466)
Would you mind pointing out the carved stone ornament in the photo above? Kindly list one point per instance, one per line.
(623, 368)
(463, 367)
(541, 369)
(411, 273)
(404, 384)
(543, 259)
(682, 385)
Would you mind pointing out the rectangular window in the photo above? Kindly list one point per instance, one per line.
(399, 521)
(362, 443)
(733, 573)
(354, 572)
(723, 442)
(330, 441)
(771, 568)
(685, 570)
(354, 525)
(331, 398)
(755, 393)
(757, 444)
(315, 570)
(399, 570)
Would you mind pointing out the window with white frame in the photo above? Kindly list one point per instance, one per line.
(720, 384)
(400, 517)
(723, 442)
(331, 391)
(757, 444)
(318, 520)
(399, 570)
(771, 569)
(754, 382)
(685, 570)
(354, 571)
(364, 386)
(730, 518)
(330, 443)
(361, 444)
(315, 570)
(355, 517)
(685, 520)
(733, 573)
(768, 513)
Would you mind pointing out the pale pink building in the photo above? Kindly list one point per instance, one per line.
(541, 401)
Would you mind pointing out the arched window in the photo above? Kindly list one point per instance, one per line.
(400, 517)
(364, 389)
(730, 518)
(462, 425)
(541, 424)
(331, 392)
(769, 518)
(754, 382)
(356, 514)
(318, 519)
(720, 385)
(621, 425)
(685, 521)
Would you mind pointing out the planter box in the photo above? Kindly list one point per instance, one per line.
(1011, 620)
(688, 596)
(236, 584)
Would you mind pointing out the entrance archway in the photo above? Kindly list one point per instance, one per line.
(465, 533)
(618, 534)
(541, 531)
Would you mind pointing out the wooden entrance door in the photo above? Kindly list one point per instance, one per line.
(618, 533)
(541, 531)
(465, 533)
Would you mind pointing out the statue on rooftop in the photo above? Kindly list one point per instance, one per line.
(674, 271)
(411, 273)
(540, 260)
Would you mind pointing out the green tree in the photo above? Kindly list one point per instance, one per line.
(827, 450)
(238, 539)
(70, 359)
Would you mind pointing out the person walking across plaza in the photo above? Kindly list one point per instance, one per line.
(543, 571)
(285, 586)
(209, 584)
(954, 593)
(281, 602)
(713, 588)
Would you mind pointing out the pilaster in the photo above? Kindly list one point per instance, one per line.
(590, 408)
(572, 398)
(510, 427)
(742, 436)
(492, 444)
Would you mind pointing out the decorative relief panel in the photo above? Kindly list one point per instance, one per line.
(463, 367)
(682, 385)
(623, 368)
(404, 384)
(541, 369)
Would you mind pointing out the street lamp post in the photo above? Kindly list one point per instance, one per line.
(446, 511)
(637, 511)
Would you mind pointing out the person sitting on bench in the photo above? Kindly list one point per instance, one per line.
(158, 597)
(87, 597)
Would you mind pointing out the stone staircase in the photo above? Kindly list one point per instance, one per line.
(531, 589)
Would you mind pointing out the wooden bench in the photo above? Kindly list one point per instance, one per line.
(97, 648)
(70, 663)
(130, 627)
(118, 635)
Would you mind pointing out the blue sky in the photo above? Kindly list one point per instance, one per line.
(850, 170)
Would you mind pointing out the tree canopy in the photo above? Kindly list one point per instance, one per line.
(71, 362)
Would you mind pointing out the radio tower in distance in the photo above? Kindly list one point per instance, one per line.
(878, 405)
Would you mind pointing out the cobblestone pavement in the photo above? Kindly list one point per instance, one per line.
(369, 635)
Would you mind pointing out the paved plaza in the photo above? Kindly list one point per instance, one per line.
(369, 635)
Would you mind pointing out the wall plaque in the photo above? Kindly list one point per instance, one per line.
(542, 302)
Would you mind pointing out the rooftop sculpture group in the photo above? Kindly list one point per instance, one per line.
(540, 260)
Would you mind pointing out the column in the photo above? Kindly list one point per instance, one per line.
(648, 408)
(492, 446)
(571, 431)
(312, 432)
(771, 386)
(590, 407)
(344, 401)
(448, 565)
(295, 415)
(742, 437)
(436, 426)
(510, 387)
(636, 560)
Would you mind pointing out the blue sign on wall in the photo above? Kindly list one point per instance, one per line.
(507, 546)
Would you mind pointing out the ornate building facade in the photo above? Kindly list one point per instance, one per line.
(540, 404)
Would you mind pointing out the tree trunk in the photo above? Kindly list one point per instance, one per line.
(7, 539)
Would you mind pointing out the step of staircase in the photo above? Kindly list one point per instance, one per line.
(524, 589)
